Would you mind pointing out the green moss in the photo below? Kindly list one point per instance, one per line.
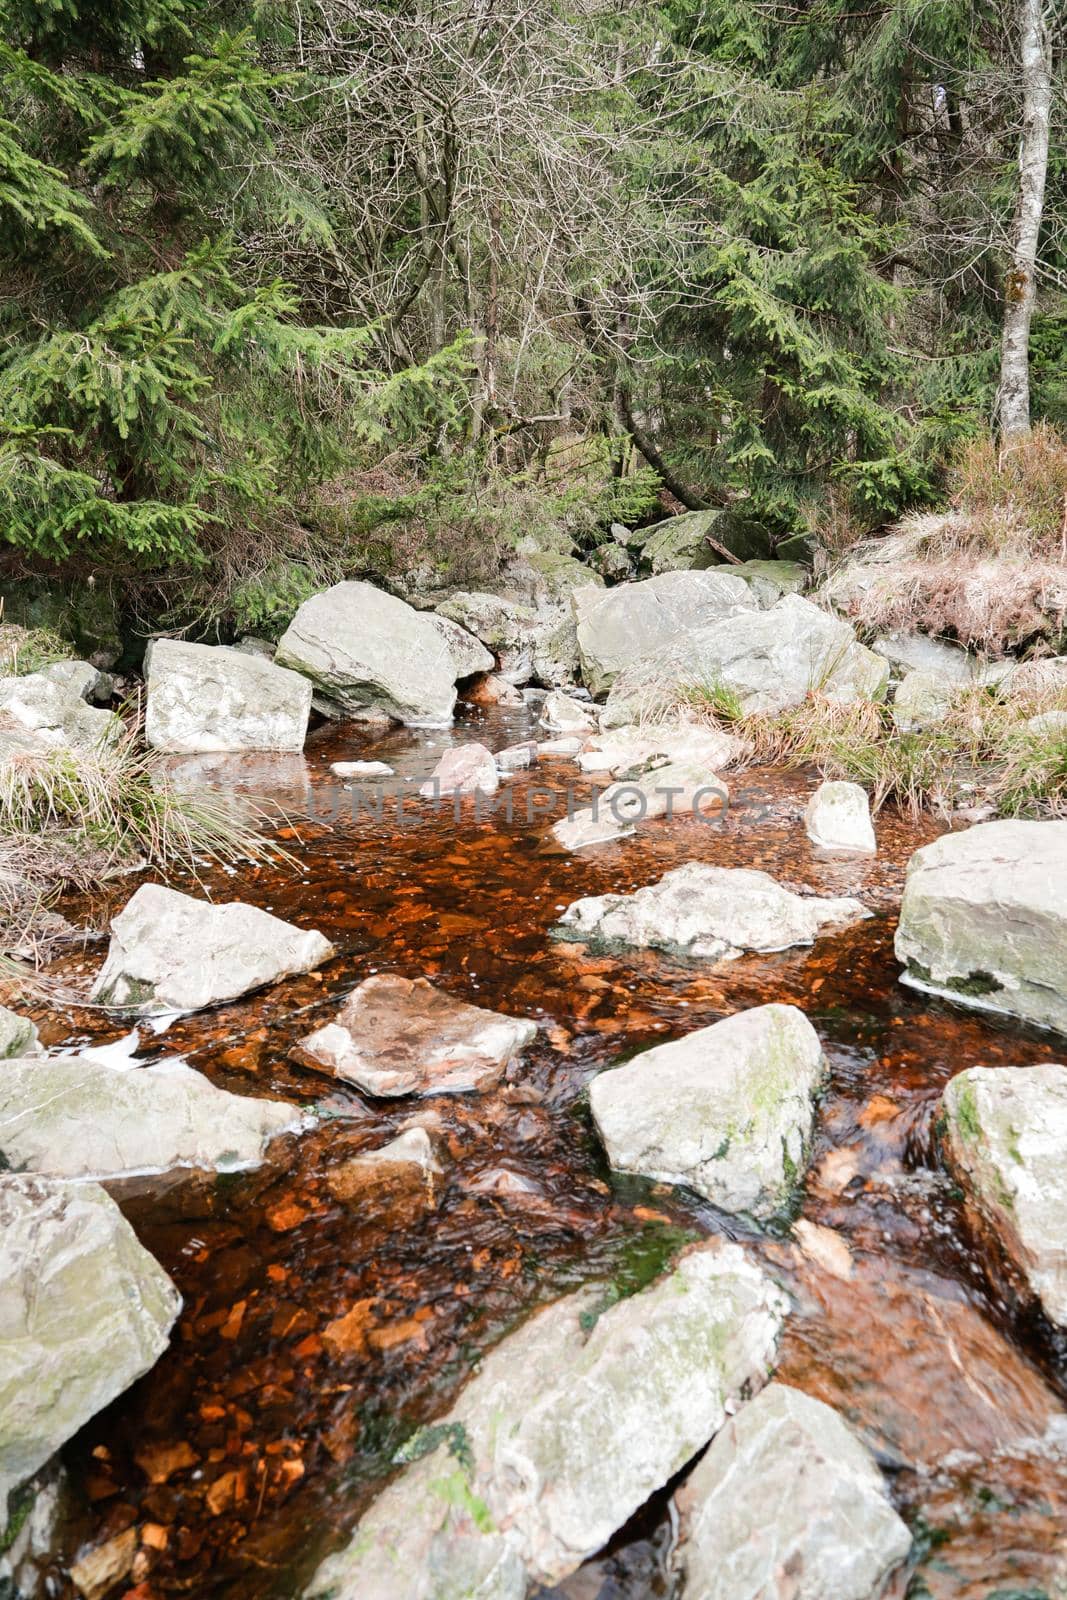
(19, 1505)
(965, 1114)
(642, 1258)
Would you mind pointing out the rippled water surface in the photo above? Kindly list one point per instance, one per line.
(254, 1444)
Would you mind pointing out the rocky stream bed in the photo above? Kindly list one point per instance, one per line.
(323, 1324)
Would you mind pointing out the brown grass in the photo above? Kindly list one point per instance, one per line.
(990, 572)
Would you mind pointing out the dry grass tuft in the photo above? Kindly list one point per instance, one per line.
(69, 819)
(992, 571)
(987, 750)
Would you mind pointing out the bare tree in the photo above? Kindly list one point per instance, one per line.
(1020, 290)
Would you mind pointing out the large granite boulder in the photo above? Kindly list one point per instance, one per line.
(468, 653)
(620, 626)
(568, 1426)
(528, 626)
(397, 1036)
(918, 652)
(1005, 1133)
(370, 655)
(787, 1504)
(207, 697)
(78, 1117)
(53, 714)
(83, 679)
(767, 660)
(727, 1110)
(171, 952)
(838, 817)
(983, 920)
(84, 1311)
(506, 628)
(715, 913)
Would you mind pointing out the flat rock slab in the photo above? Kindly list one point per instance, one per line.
(370, 655)
(397, 1036)
(675, 789)
(171, 952)
(787, 1504)
(716, 913)
(208, 697)
(73, 1117)
(569, 1425)
(838, 817)
(727, 1110)
(983, 920)
(84, 1311)
(1005, 1138)
(632, 751)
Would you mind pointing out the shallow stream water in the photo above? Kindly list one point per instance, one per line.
(252, 1447)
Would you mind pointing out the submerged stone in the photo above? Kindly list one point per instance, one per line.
(73, 1117)
(787, 1504)
(727, 1110)
(568, 1426)
(397, 1036)
(983, 920)
(712, 912)
(84, 1311)
(170, 952)
(1005, 1138)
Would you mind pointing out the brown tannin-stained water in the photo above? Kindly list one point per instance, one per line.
(252, 1447)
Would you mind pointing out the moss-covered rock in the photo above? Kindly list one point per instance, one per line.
(1005, 1133)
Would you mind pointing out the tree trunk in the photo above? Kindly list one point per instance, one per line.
(1020, 290)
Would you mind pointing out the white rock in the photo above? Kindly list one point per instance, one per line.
(170, 952)
(758, 660)
(677, 789)
(84, 1311)
(713, 912)
(75, 1117)
(18, 1036)
(923, 700)
(562, 713)
(838, 817)
(569, 1425)
(397, 1036)
(469, 655)
(787, 1504)
(1005, 1137)
(371, 655)
(1048, 724)
(517, 756)
(207, 697)
(463, 769)
(983, 920)
(620, 626)
(628, 751)
(361, 769)
(55, 714)
(567, 746)
(917, 652)
(82, 679)
(727, 1111)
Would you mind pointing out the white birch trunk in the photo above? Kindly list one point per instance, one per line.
(1020, 289)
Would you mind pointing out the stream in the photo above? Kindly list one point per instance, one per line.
(255, 1443)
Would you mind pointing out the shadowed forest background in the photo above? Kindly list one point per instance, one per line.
(297, 292)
